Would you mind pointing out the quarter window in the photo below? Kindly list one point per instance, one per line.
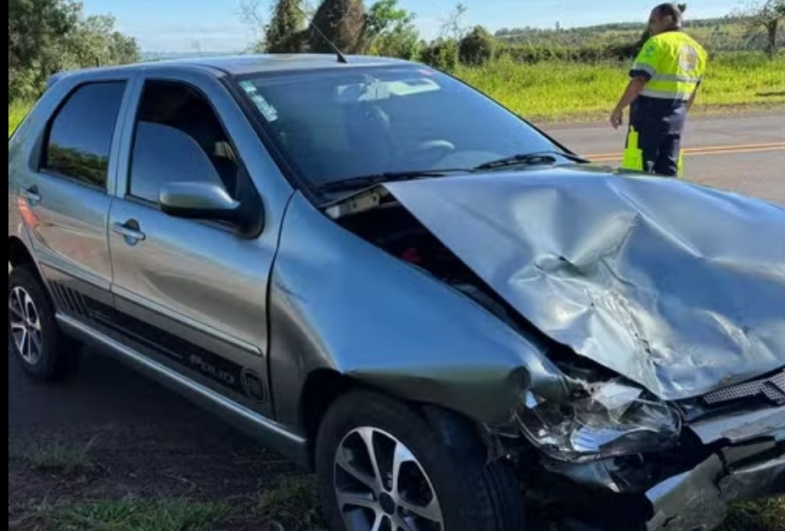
(80, 134)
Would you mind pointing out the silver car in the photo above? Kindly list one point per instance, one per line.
(388, 277)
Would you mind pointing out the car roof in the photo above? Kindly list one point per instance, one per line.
(237, 65)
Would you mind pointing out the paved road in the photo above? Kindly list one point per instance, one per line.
(745, 154)
(106, 393)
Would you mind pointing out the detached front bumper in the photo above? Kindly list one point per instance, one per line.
(698, 500)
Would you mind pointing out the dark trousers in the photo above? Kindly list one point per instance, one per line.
(660, 152)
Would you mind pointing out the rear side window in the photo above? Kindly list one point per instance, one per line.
(80, 134)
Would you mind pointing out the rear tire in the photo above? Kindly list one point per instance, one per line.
(35, 339)
(470, 495)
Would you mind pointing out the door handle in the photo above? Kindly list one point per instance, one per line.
(31, 194)
(130, 231)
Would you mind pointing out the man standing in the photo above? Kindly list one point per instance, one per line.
(664, 82)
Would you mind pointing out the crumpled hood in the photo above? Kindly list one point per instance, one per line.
(678, 287)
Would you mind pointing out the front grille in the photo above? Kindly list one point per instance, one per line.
(771, 389)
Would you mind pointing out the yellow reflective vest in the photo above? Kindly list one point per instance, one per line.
(674, 64)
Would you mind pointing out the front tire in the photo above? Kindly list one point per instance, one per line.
(381, 467)
(36, 341)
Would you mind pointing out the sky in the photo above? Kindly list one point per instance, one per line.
(216, 26)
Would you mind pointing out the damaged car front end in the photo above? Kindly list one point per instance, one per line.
(628, 464)
(673, 390)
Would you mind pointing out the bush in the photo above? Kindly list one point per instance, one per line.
(441, 54)
(595, 53)
(476, 49)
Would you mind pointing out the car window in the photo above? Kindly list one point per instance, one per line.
(340, 123)
(179, 138)
(80, 134)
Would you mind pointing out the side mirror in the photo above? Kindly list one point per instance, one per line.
(207, 201)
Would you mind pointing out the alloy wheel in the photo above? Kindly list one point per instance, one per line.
(25, 322)
(381, 486)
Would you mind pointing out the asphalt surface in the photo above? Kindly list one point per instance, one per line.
(106, 393)
(745, 154)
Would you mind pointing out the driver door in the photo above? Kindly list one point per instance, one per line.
(189, 294)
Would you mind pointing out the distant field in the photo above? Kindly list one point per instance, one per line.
(569, 91)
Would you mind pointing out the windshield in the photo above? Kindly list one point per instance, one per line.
(339, 124)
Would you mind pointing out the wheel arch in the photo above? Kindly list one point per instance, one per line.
(323, 387)
(18, 253)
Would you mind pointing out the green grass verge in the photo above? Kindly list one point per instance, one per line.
(553, 91)
(16, 113)
(128, 515)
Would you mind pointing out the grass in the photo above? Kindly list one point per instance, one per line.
(60, 458)
(293, 504)
(16, 113)
(131, 515)
(762, 516)
(554, 91)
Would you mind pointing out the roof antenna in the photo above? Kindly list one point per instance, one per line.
(338, 53)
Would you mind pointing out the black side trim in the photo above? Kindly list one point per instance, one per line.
(210, 365)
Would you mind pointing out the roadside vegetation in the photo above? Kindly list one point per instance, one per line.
(565, 90)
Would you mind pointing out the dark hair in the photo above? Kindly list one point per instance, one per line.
(671, 10)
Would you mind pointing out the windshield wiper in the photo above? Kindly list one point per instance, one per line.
(540, 157)
(364, 181)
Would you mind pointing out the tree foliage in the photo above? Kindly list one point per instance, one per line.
(476, 48)
(47, 36)
(283, 34)
(442, 54)
(768, 17)
(342, 22)
(389, 31)
(452, 24)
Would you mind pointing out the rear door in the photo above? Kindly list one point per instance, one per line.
(66, 192)
(192, 294)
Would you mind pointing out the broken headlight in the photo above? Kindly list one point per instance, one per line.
(607, 420)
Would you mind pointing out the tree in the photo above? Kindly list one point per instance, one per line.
(389, 30)
(342, 22)
(767, 17)
(251, 15)
(283, 34)
(34, 29)
(442, 54)
(476, 48)
(402, 42)
(47, 36)
(94, 42)
(452, 25)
